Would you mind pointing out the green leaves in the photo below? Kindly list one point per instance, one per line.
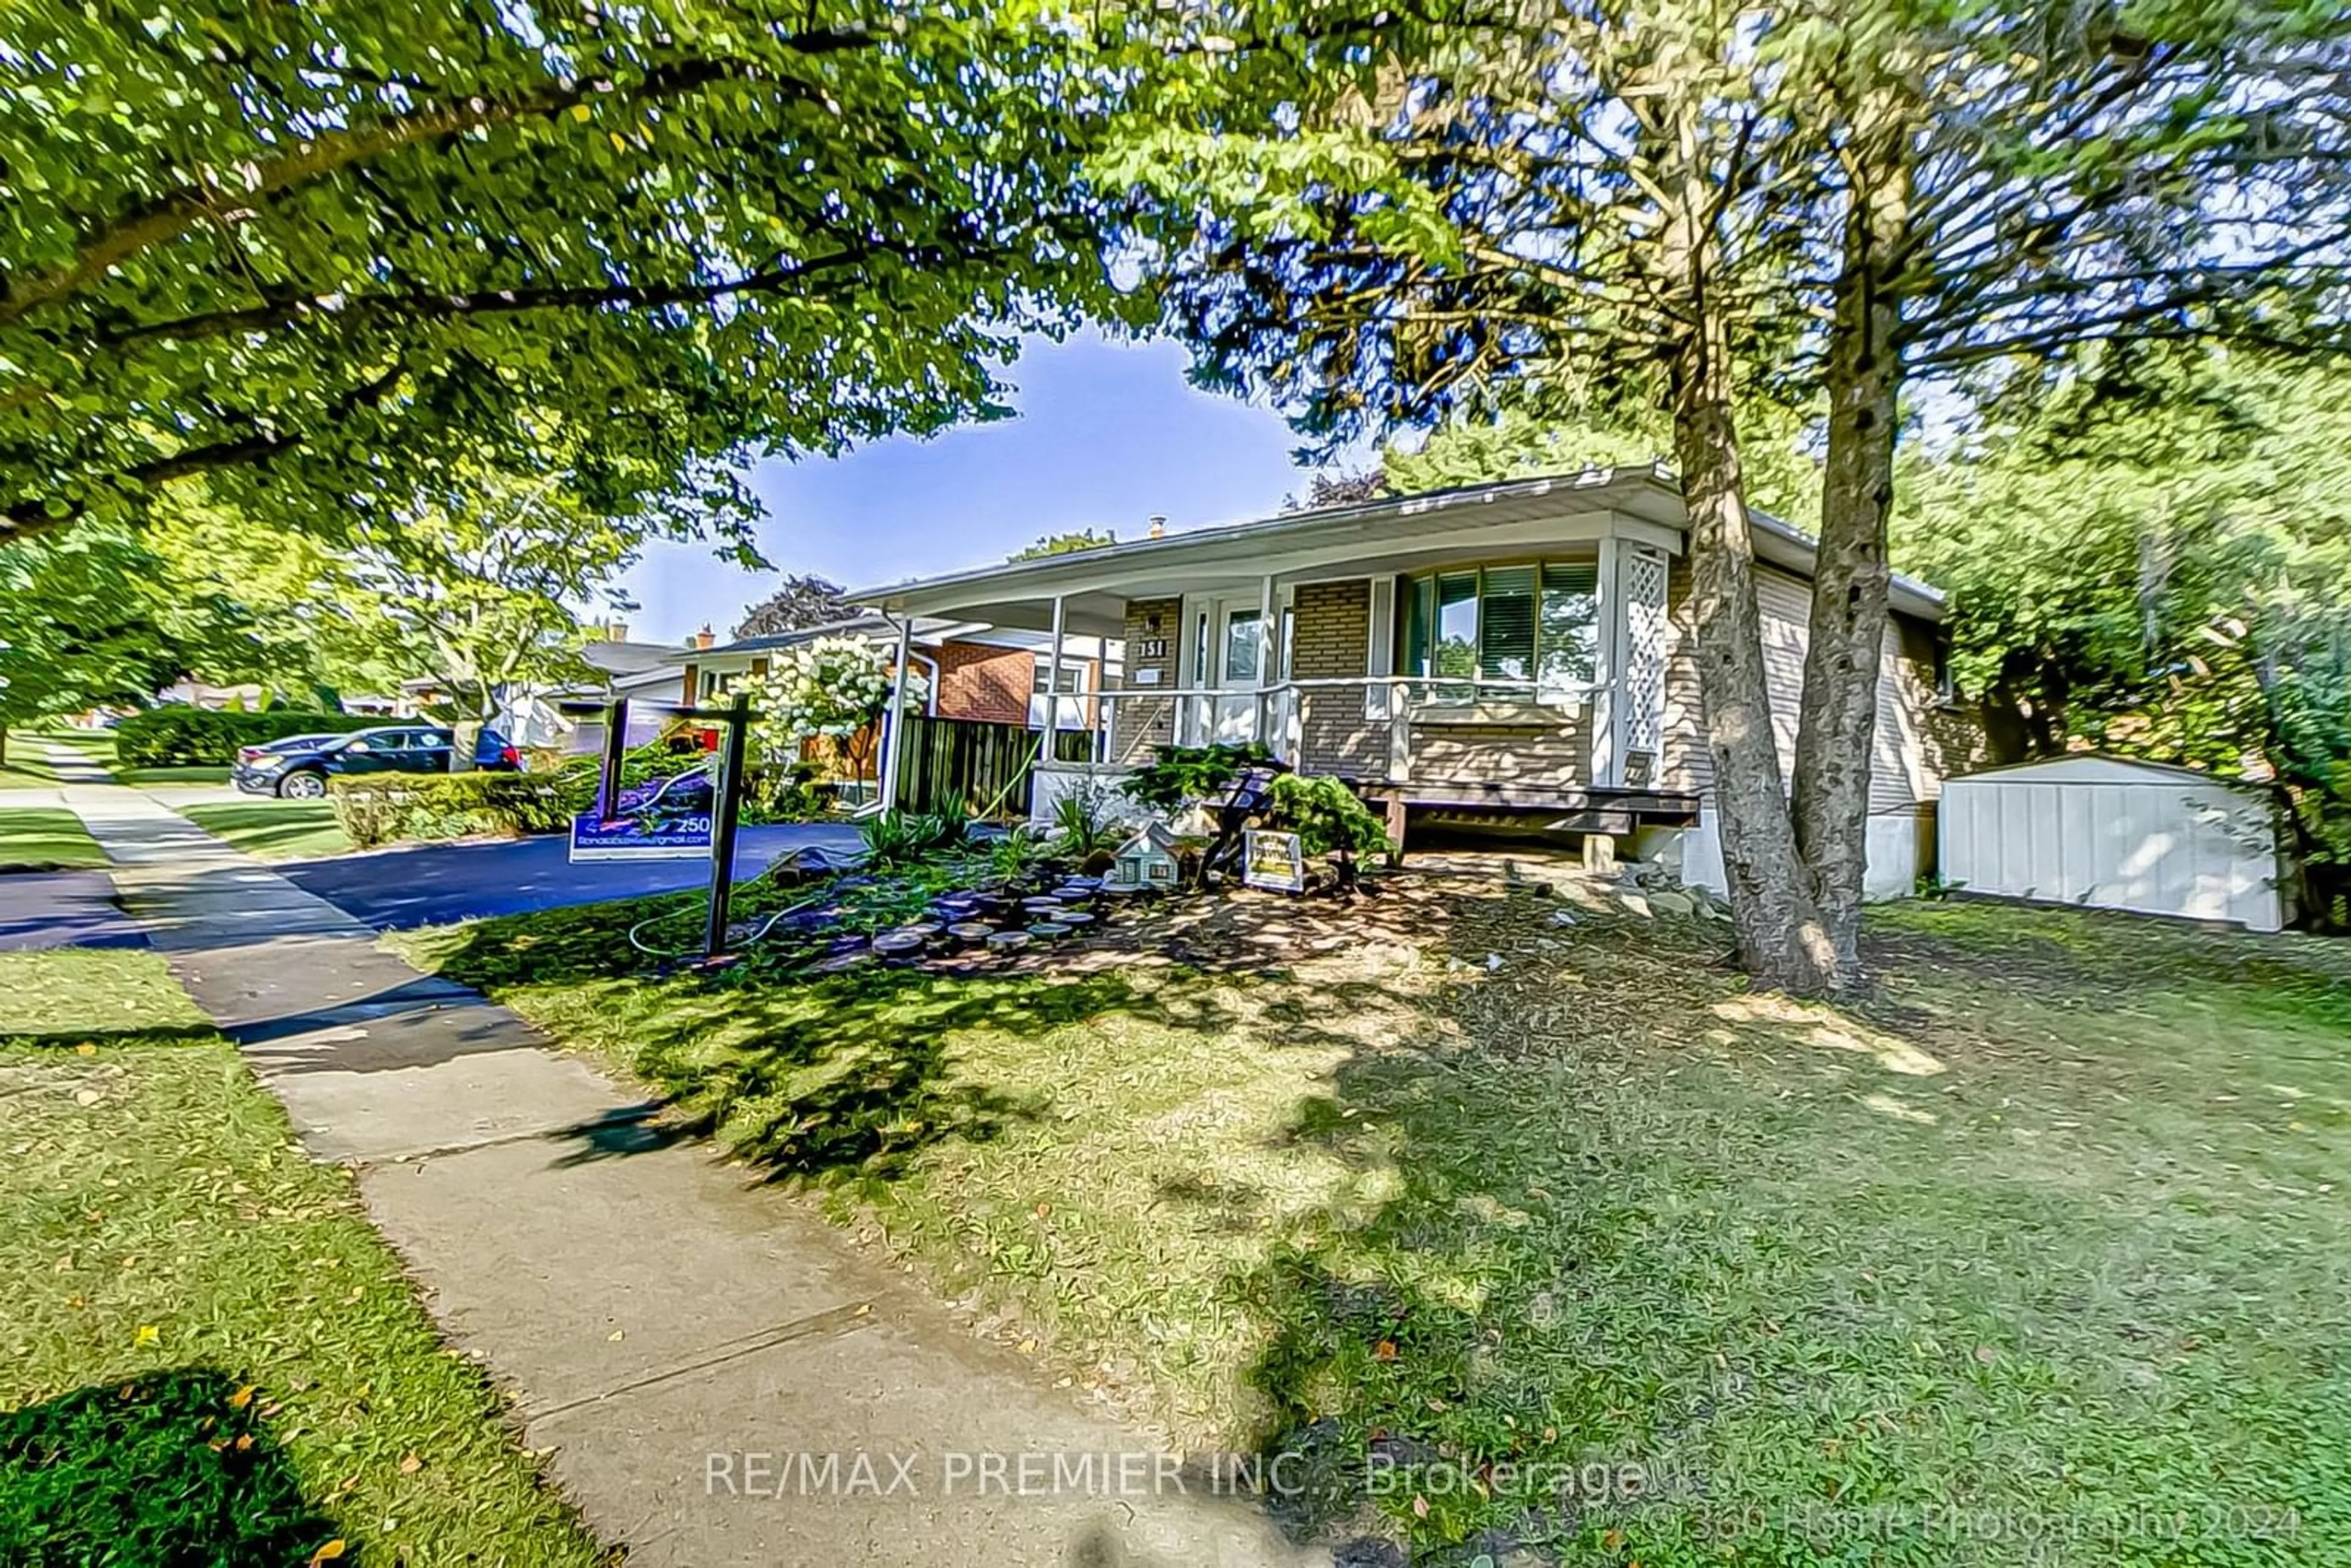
(338, 239)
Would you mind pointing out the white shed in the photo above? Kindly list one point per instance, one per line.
(2108, 832)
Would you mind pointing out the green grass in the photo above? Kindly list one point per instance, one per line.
(26, 767)
(2046, 1236)
(209, 1355)
(98, 746)
(273, 830)
(45, 837)
(171, 778)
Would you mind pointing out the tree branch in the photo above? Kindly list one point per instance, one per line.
(175, 211)
(425, 307)
(31, 516)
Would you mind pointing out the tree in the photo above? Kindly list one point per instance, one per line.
(101, 618)
(2016, 182)
(305, 251)
(474, 582)
(1064, 544)
(1525, 437)
(799, 603)
(1341, 489)
(2146, 553)
(1692, 208)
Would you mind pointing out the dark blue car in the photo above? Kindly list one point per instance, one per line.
(298, 767)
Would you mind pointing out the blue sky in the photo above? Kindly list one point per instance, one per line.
(1107, 435)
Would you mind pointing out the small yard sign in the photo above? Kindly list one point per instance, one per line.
(1272, 861)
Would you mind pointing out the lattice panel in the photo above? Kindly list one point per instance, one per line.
(1641, 577)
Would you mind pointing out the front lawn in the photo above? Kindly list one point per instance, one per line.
(99, 747)
(273, 830)
(2039, 1255)
(26, 767)
(210, 1356)
(46, 838)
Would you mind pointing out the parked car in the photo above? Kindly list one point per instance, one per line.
(298, 767)
(285, 743)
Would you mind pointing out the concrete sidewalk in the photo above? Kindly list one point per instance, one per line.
(678, 1338)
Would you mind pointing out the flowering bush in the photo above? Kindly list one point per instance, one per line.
(835, 687)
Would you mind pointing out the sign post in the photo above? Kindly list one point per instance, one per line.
(725, 817)
(616, 747)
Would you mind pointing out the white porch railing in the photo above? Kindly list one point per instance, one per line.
(1276, 714)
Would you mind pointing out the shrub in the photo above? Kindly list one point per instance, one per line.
(1184, 773)
(195, 737)
(896, 839)
(785, 795)
(1087, 821)
(1328, 818)
(408, 809)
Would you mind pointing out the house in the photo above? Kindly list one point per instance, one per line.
(1516, 654)
(971, 670)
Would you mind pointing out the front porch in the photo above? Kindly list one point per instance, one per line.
(1503, 657)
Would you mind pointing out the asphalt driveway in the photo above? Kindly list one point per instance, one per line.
(42, 909)
(429, 885)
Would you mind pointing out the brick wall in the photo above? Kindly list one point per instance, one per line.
(1329, 638)
(1140, 726)
(979, 682)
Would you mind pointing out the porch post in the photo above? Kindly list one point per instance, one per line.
(1053, 683)
(894, 738)
(1268, 642)
(1608, 667)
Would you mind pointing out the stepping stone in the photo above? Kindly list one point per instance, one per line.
(1048, 931)
(1007, 941)
(970, 931)
(1076, 919)
(897, 944)
(1045, 906)
(843, 963)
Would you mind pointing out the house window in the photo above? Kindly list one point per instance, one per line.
(1070, 685)
(1511, 630)
(1241, 640)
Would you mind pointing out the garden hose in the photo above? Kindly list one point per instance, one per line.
(759, 933)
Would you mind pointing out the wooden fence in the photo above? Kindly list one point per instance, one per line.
(976, 764)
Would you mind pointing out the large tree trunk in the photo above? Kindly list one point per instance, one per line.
(1837, 729)
(1782, 941)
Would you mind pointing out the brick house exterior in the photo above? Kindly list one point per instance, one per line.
(976, 681)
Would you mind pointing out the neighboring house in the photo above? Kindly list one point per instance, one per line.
(1517, 653)
(971, 670)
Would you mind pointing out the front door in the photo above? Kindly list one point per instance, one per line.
(1238, 652)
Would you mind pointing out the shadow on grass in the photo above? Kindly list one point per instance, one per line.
(848, 1075)
(76, 1036)
(162, 1467)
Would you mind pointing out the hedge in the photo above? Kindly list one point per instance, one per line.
(195, 737)
(381, 808)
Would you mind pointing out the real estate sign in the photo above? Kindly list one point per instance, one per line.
(1272, 861)
(663, 818)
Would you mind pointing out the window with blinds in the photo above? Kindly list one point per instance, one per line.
(1510, 631)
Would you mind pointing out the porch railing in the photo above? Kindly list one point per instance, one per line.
(1276, 714)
